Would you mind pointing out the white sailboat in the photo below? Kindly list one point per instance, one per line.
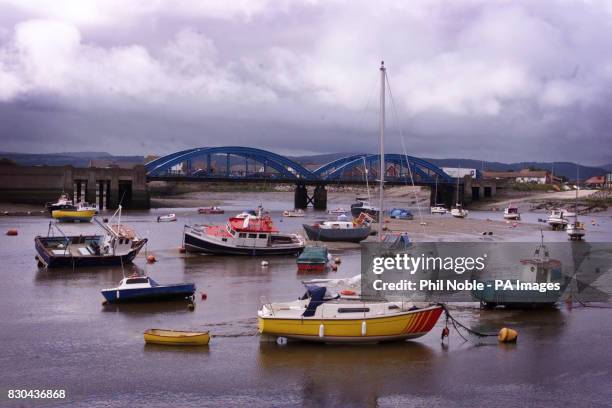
(458, 211)
(437, 208)
(511, 212)
(575, 229)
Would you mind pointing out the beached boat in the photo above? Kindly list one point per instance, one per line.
(323, 315)
(401, 214)
(575, 229)
(293, 213)
(512, 213)
(63, 203)
(314, 259)
(245, 234)
(211, 210)
(339, 230)
(145, 289)
(118, 245)
(338, 211)
(81, 213)
(176, 337)
(364, 207)
(167, 218)
(557, 220)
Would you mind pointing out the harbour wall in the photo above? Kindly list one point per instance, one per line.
(105, 186)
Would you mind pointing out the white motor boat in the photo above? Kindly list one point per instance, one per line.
(575, 230)
(557, 220)
(438, 209)
(459, 212)
(293, 213)
(338, 211)
(512, 213)
(568, 213)
(166, 218)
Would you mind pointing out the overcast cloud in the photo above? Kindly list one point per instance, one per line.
(489, 79)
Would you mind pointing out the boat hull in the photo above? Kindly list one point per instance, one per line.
(49, 260)
(73, 215)
(174, 338)
(201, 245)
(401, 326)
(336, 235)
(311, 266)
(157, 293)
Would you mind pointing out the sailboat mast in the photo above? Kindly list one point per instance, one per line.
(381, 210)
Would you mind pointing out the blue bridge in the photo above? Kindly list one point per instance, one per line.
(248, 164)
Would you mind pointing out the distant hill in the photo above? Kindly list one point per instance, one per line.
(607, 167)
(76, 159)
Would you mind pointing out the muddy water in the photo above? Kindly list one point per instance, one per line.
(56, 334)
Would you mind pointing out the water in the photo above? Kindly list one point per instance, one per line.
(56, 334)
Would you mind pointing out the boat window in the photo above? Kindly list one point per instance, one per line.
(137, 280)
(242, 235)
(393, 307)
(252, 235)
(353, 309)
(224, 239)
(263, 236)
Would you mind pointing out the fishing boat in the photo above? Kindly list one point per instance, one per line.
(340, 230)
(512, 213)
(338, 211)
(167, 218)
(176, 337)
(557, 219)
(400, 214)
(323, 315)
(63, 203)
(118, 245)
(575, 229)
(145, 289)
(314, 259)
(362, 206)
(211, 210)
(293, 213)
(245, 234)
(83, 212)
(539, 269)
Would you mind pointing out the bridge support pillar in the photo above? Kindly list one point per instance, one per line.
(300, 200)
(320, 198)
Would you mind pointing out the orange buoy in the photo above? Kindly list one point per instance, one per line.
(12, 232)
(151, 259)
(347, 292)
(507, 335)
(182, 250)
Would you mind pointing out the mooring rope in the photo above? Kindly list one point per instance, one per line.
(456, 323)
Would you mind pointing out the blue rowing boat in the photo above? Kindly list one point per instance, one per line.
(145, 289)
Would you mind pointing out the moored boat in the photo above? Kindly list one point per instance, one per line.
(167, 218)
(145, 289)
(81, 213)
(244, 234)
(338, 211)
(512, 213)
(211, 210)
(575, 230)
(293, 213)
(459, 212)
(339, 230)
(118, 245)
(364, 207)
(63, 203)
(438, 209)
(313, 259)
(557, 219)
(176, 337)
(321, 316)
(400, 214)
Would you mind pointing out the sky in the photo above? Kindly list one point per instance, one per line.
(484, 79)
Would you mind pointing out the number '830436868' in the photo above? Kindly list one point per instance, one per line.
(36, 394)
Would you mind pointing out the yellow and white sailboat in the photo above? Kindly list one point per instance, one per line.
(345, 317)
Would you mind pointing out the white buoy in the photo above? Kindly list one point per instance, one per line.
(264, 263)
(281, 341)
(321, 330)
(363, 328)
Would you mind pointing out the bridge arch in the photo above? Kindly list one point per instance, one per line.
(285, 167)
(422, 170)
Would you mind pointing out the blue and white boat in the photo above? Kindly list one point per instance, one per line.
(145, 289)
(401, 214)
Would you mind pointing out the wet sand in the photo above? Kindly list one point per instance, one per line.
(56, 333)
